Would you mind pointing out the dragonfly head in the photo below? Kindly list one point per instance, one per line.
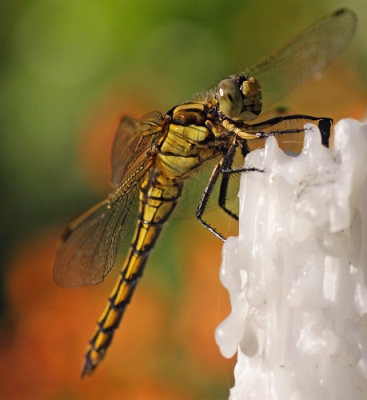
(239, 97)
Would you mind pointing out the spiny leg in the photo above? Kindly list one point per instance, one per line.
(225, 161)
(278, 120)
(324, 126)
(227, 165)
(223, 195)
(204, 201)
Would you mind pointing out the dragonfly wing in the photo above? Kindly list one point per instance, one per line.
(306, 54)
(125, 141)
(133, 138)
(88, 247)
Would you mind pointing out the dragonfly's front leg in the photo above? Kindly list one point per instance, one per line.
(249, 131)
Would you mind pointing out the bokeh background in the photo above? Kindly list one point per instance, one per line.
(69, 69)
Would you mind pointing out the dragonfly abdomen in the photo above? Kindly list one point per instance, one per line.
(157, 201)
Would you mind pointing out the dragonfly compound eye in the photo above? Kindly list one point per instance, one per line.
(230, 97)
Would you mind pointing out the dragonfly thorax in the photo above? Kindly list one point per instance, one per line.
(239, 97)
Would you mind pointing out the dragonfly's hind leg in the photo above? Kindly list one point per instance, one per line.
(227, 166)
(204, 201)
(223, 196)
(224, 165)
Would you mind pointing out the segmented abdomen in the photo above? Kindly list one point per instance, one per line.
(157, 200)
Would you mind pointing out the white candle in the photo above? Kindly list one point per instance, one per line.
(297, 272)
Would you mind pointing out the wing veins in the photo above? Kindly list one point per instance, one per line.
(89, 246)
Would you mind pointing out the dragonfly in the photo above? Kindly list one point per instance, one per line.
(153, 157)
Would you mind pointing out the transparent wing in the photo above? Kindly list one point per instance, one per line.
(307, 53)
(133, 138)
(88, 247)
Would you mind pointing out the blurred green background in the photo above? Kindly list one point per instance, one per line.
(69, 71)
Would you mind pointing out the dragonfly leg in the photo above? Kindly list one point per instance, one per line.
(204, 201)
(226, 166)
(223, 196)
(324, 124)
(222, 168)
(279, 119)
